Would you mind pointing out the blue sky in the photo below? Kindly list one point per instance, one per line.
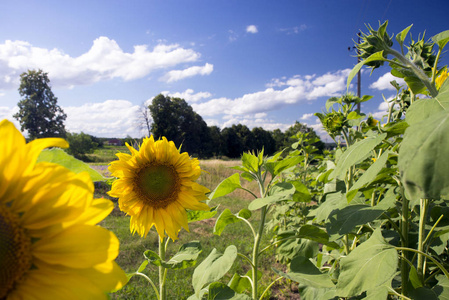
(259, 63)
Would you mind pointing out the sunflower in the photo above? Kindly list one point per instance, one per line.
(50, 247)
(155, 186)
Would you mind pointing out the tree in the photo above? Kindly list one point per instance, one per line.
(39, 112)
(80, 144)
(175, 119)
(263, 139)
(144, 119)
(298, 127)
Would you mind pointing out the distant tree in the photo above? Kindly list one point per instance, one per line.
(246, 137)
(279, 139)
(175, 119)
(264, 139)
(298, 127)
(216, 143)
(80, 144)
(39, 112)
(232, 144)
(144, 119)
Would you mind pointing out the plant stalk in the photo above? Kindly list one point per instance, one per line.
(256, 252)
(424, 205)
(404, 243)
(162, 291)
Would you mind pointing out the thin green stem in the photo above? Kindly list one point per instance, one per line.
(435, 65)
(424, 204)
(162, 271)
(397, 294)
(404, 243)
(151, 282)
(432, 229)
(268, 287)
(245, 258)
(249, 224)
(256, 250)
(439, 265)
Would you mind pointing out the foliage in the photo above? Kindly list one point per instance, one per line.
(39, 112)
(80, 144)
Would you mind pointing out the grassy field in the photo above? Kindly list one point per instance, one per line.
(179, 282)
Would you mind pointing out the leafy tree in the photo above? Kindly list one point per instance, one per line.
(298, 127)
(216, 143)
(80, 144)
(246, 137)
(232, 144)
(175, 119)
(263, 139)
(39, 112)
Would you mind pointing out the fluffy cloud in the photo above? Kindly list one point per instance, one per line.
(103, 61)
(307, 116)
(189, 95)
(383, 83)
(293, 90)
(251, 29)
(111, 118)
(176, 75)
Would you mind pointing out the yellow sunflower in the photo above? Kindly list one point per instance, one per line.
(50, 247)
(441, 79)
(155, 186)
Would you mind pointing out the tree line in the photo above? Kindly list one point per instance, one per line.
(40, 115)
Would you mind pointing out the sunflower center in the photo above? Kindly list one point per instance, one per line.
(159, 184)
(15, 251)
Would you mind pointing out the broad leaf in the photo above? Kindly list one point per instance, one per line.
(184, 258)
(226, 218)
(303, 271)
(285, 164)
(220, 291)
(227, 186)
(302, 193)
(279, 192)
(60, 157)
(423, 159)
(368, 266)
(199, 215)
(424, 108)
(213, 268)
(442, 288)
(343, 221)
(241, 284)
(371, 173)
(441, 39)
(356, 153)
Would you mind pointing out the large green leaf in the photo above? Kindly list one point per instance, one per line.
(227, 186)
(303, 271)
(184, 258)
(199, 215)
(241, 284)
(368, 266)
(371, 173)
(441, 39)
(343, 221)
(279, 192)
(424, 108)
(213, 268)
(423, 159)
(227, 217)
(442, 288)
(302, 193)
(60, 157)
(220, 291)
(356, 153)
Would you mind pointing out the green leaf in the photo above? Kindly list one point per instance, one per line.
(186, 256)
(426, 108)
(225, 218)
(356, 153)
(250, 162)
(213, 268)
(303, 271)
(199, 215)
(378, 293)
(142, 267)
(333, 201)
(241, 284)
(343, 221)
(302, 193)
(60, 157)
(441, 39)
(244, 213)
(442, 288)
(416, 85)
(371, 173)
(373, 57)
(368, 266)
(227, 186)
(279, 192)
(400, 37)
(153, 258)
(285, 164)
(423, 159)
(220, 291)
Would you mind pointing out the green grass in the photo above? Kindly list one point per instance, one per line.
(179, 282)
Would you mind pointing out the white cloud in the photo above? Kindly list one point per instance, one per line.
(294, 30)
(251, 29)
(176, 75)
(307, 116)
(111, 118)
(295, 90)
(232, 36)
(383, 83)
(103, 61)
(189, 95)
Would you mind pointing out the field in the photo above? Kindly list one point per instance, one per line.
(179, 282)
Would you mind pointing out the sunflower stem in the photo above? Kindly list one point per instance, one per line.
(162, 248)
